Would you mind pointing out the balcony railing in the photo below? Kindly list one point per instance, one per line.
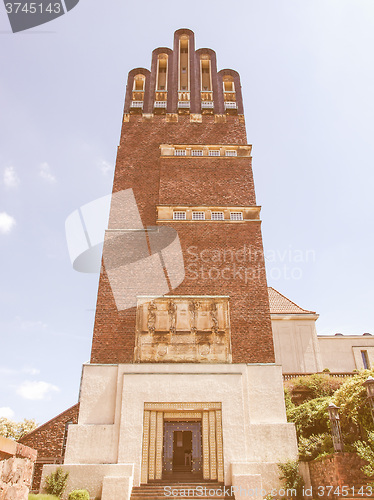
(207, 104)
(136, 104)
(290, 376)
(183, 104)
(160, 104)
(231, 105)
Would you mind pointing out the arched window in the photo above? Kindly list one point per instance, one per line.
(162, 71)
(138, 91)
(139, 83)
(229, 94)
(228, 86)
(205, 73)
(184, 64)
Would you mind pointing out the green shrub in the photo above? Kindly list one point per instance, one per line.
(318, 385)
(79, 495)
(315, 446)
(310, 417)
(55, 483)
(42, 497)
(293, 478)
(365, 450)
(354, 410)
(288, 399)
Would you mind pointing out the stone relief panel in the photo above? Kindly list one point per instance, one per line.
(183, 329)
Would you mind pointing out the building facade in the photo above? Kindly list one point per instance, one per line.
(190, 346)
(182, 377)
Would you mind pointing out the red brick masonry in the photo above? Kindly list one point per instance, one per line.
(48, 439)
(337, 470)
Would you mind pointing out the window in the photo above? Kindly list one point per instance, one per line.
(179, 215)
(184, 83)
(196, 152)
(231, 152)
(162, 64)
(198, 215)
(179, 152)
(228, 84)
(217, 216)
(365, 360)
(236, 216)
(65, 438)
(206, 81)
(139, 81)
(214, 152)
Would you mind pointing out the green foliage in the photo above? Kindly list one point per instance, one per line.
(42, 497)
(16, 430)
(318, 385)
(315, 446)
(354, 410)
(55, 483)
(79, 495)
(365, 450)
(288, 399)
(310, 417)
(291, 475)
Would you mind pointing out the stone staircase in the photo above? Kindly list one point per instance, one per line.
(181, 486)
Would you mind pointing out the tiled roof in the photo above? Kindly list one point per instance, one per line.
(279, 304)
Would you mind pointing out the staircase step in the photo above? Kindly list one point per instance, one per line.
(203, 490)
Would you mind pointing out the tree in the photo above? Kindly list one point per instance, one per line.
(16, 430)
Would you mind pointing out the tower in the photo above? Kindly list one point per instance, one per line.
(182, 378)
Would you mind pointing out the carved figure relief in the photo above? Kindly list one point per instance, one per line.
(193, 306)
(172, 315)
(214, 316)
(151, 317)
(185, 329)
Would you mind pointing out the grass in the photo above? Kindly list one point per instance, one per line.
(42, 497)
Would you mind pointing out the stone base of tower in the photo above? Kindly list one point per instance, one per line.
(140, 423)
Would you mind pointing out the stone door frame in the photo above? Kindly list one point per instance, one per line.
(155, 414)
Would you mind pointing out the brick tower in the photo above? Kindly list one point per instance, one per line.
(182, 379)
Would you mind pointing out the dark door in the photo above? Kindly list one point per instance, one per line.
(182, 450)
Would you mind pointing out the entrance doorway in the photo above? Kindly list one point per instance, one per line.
(182, 448)
(182, 451)
(200, 427)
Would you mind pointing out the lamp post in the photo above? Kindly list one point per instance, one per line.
(369, 385)
(336, 431)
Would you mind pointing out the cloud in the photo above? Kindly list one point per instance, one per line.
(105, 167)
(36, 391)
(10, 177)
(6, 412)
(30, 370)
(45, 173)
(7, 222)
(11, 371)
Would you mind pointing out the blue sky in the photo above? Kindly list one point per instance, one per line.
(308, 76)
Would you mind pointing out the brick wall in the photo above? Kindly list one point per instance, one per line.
(337, 470)
(48, 440)
(192, 181)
